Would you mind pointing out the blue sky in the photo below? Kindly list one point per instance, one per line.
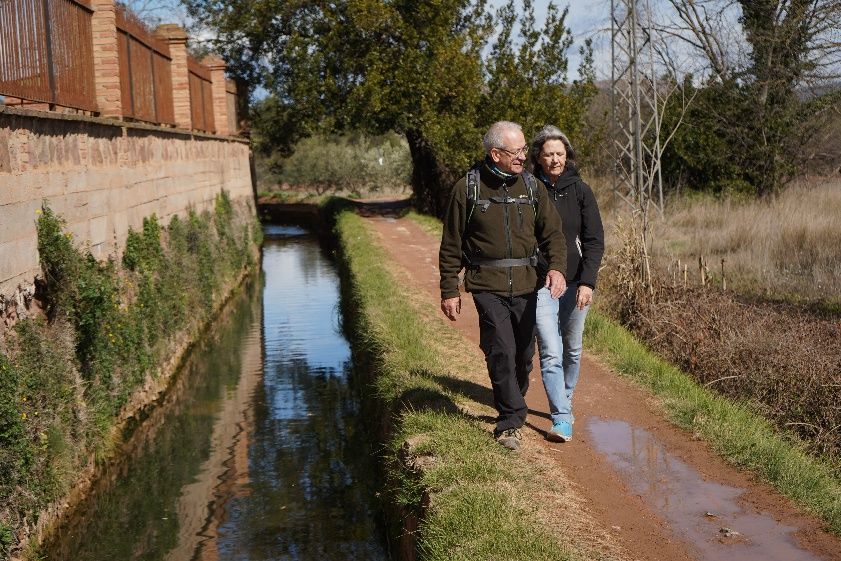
(586, 19)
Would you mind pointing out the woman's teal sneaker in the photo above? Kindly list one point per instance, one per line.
(560, 432)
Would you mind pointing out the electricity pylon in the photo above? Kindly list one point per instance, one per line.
(636, 112)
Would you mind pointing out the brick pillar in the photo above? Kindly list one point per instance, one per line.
(220, 95)
(106, 59)
(176, 37)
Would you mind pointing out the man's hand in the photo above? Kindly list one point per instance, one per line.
(556, 283)
(584, 296)
(451, 307)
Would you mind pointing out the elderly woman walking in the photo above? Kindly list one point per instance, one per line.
(560, 323)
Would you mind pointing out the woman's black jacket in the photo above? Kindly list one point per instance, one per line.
(582, 225)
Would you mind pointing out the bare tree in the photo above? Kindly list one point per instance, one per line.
(781, 60)
(156, 12)
(707, 28)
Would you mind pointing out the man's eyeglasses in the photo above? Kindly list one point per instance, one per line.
(515, 153)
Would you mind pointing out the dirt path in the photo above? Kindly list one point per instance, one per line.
(663, 494)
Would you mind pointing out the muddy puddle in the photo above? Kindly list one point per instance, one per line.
(708, 516)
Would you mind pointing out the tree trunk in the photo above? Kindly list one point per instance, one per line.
(430, 182)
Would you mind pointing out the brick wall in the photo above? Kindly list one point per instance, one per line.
(176, 37)
(103, 177)
(106, 60)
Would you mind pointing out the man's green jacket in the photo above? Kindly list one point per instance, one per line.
(502, 231)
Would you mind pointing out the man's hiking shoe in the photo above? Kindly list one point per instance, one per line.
(509, 438)
(560, 432)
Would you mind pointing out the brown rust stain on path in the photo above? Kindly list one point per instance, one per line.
(613, 499)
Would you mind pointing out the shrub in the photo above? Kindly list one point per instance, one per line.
(779, 357)
(349, 163)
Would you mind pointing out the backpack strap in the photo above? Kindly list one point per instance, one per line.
(531, 186)
(472, 185)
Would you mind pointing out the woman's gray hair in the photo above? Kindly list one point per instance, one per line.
(493, 138)
(550, 132)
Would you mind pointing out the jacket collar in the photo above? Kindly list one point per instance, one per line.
(495, 178)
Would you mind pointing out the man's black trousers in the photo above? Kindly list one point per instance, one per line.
(506, 336)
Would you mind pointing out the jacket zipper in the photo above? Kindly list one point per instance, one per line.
(510, 254)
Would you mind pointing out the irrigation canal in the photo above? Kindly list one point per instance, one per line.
(256, 451)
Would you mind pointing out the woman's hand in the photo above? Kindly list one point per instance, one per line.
(584, 296)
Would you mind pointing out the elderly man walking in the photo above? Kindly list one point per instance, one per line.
(494, 222)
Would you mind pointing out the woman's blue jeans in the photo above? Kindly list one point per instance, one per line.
(560, 333)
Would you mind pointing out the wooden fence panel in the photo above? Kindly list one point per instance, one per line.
(46, 52)
(233, 106)
(72, 53)
(162, 71)
(145, 74)
(125, 73)
(201, 96)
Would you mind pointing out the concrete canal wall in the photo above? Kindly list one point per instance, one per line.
(118, 333)
(103, 177)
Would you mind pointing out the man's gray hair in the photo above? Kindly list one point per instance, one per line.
(550, 132)
(493, 138)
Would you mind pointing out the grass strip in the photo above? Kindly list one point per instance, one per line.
(429, 224)
(740, 436)
(470, 486)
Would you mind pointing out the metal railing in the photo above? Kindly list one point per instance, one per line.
(47, 61)
(231, 102)
(145, 73)
(46, 52)
(201, 96)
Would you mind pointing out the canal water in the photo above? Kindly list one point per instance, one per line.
(257, 451)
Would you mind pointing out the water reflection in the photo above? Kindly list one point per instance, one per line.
(284, 231)
(708, 515)
(257, 451)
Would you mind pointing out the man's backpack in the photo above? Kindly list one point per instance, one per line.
(473, 200)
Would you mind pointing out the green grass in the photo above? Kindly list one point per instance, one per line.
(475, 510)
(293, 197)
(742, 437)
(430, 224)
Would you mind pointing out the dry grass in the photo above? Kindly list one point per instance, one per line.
(788, 247)
(781, 360)
(777, 354)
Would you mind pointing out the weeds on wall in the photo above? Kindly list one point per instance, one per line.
(65, 379)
